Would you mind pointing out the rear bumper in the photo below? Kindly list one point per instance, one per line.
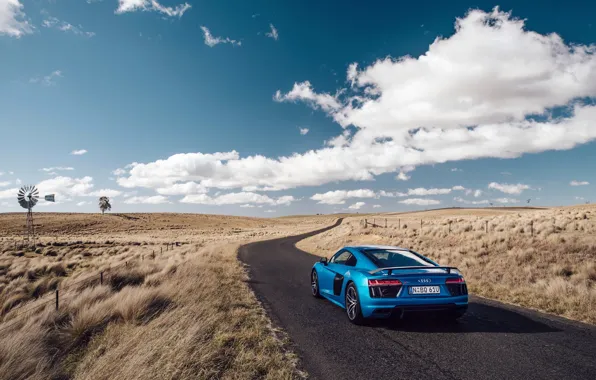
(387, 308)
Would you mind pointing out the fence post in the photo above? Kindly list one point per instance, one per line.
(374, 223)
(450, 227)
(486, 226)
(385, 222)
(57, 297)
(420, 226)
(100, 278)
(399, 224)
(531, 228)
(160, 249)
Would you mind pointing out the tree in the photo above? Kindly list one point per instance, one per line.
(104, 204)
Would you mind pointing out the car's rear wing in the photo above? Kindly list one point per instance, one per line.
(391, 269)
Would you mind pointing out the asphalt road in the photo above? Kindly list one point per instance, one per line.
(492, 341)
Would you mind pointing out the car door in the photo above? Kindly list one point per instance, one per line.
(326, 276)
(339, 265)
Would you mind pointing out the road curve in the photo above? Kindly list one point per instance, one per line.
(492, 341)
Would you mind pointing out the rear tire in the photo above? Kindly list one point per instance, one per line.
(314, 284)
(352, 303)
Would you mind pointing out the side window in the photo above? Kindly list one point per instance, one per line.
(341, 257)
(351, 262)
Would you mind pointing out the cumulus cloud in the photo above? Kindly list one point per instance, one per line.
(579, 183)
(376, 206)
(54, 23)
(303, 131)
(183, 189)
(212, 41)
(5, 183)
(151, 200)
(420, 201)
(461, 200)
(125, 6)
(422, 191)
(237, 198)
(119, 172)
(78, 152)
(9, 193)
(456, 170)
(83, 203)
(339, 197)
(402, 176)
(509, 188)
(66, 187)
(48, 80)
(13, 22)
(356, 206)
(272, 33)
(474, 94)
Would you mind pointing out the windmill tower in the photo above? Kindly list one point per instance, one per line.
(28, 197)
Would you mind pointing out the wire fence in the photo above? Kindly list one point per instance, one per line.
(63, 291)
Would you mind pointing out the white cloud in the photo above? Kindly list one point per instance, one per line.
(456, 170)
(402, 176)
(509, 188)
(129, 194)
(461, 200)
(247, 206)
(422, 191)
(458, 188)
(506, 200)
(270, 211)
(376, 206)
(110, 193)
(152, 200)
(237, 198)
(357, 206)
(125, 6)
(477, 193)
(389, 194)
(212, 41)
(273, 33)
(48, 80)
(5, 183)
(65, 187)
(467, 97)
(339, 197)
(119, 172)
(83, 203)
(579, 183)
(78, 152)
(53, 22)
(57, 168)
(304, 92)
(303, 131)
(9, 193)
(18, 181)
(420, 202)
(13, 22)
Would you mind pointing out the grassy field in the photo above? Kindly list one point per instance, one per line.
(539, 258)
(185, 312)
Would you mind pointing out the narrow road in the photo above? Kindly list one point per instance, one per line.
(492, 341)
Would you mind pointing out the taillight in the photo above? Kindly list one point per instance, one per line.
(384, 288)
(458, 280)
(383, 282)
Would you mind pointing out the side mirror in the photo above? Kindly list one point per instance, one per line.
(323, 260)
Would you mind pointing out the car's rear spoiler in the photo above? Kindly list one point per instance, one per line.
(391, 269)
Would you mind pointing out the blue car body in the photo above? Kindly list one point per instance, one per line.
(388, 281)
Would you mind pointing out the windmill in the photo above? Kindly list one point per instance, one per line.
(528, 201)
(28, 197)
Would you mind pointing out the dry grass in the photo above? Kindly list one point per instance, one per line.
(180, 313)
(554, 270)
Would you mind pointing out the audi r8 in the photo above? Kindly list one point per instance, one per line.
(384, 281)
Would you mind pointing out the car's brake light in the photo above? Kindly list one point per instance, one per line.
(458, 280)
(383, 282)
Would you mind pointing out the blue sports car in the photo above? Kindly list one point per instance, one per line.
(382, 281)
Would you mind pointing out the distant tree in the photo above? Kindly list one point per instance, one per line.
(104, 204)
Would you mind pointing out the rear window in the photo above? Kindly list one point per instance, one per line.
(393, 258)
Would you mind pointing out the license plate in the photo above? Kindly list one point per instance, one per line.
(425, 290)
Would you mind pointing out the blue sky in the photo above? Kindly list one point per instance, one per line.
(199, 106)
